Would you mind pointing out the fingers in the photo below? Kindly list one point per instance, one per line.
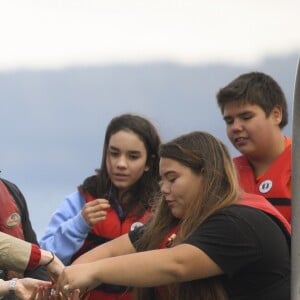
(68, 292)
(41, 293)
(66, 288)
(93, 218)
(36, 294)
(73, 294)
(95, 211)
(43, 283)
(76, 295)
(101, 202)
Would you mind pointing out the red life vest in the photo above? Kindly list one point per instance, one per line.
(10, 219)
(112, 227)
(274, 184)
(262, 204)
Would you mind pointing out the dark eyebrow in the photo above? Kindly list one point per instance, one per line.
(113, 148)
(134, 151)
(246, 112)
(129, 151)
(171, 172)
(226, 118)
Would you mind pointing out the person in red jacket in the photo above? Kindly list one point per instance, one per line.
(114, 201)
(254, 109)
(15, 221)
(207, 239)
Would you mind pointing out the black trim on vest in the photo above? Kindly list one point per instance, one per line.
(113, 289)
(280, 201)
(97, 239)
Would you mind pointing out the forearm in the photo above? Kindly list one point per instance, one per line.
(157, 267)
(144, 269)
(115, 247)
(15, 253)
(46, 257)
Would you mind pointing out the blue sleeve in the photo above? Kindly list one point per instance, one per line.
(67, 229)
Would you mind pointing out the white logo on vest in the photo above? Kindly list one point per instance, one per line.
(13, 220)
(265, 186)
(135, 225)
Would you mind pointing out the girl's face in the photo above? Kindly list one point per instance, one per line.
(125, 159)
(180, 186)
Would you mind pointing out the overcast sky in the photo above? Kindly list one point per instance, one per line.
(46, 150)
(60, 33)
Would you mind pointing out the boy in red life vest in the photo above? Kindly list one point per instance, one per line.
(254, 109)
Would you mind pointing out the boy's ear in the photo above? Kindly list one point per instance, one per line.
(277, 114)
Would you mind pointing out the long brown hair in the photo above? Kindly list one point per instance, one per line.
(202, 153)
(140, 195)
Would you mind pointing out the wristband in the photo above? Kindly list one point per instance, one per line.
(50, 261)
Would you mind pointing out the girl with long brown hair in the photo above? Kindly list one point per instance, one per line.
(207, 240)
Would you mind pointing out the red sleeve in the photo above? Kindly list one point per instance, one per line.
(35, 257)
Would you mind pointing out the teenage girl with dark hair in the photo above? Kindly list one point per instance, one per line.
(112, 202)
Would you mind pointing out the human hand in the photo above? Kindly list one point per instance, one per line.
(55, 268)
(95, 211)
(53, 264)
(77, 277)
(50, 294)
(27, 288)
(42, 293)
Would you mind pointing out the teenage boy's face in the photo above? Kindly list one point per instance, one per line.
(248, 128)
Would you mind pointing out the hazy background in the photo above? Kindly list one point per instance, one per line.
(68, 67)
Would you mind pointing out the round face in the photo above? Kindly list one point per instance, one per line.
(248, 128)
(180, 186)
(125, 159)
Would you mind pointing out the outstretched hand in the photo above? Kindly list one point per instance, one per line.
(50, 294)
(76, 277)
(26, 288)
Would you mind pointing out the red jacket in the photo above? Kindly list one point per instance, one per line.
(112, 227)
(274, 184)
(15, 221)
(10, 219)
